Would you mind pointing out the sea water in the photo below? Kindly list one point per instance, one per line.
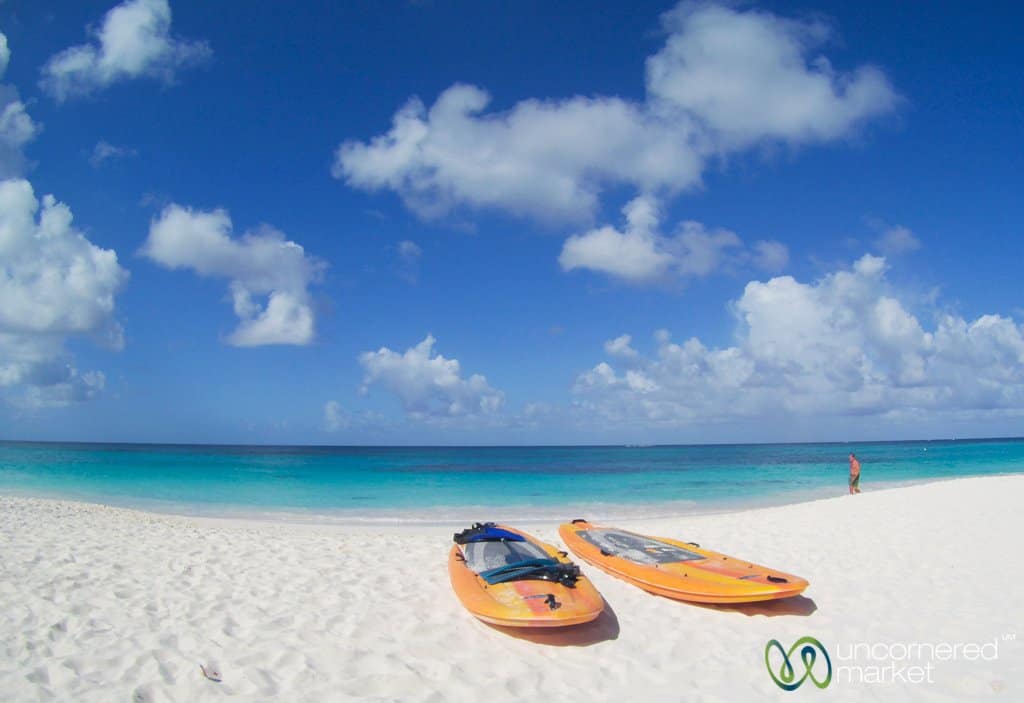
(428, 483)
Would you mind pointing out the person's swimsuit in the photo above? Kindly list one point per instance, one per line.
(855, 481)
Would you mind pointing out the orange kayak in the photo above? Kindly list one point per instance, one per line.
(680, 570)
(506, 577)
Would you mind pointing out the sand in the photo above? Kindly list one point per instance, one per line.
(107, 604)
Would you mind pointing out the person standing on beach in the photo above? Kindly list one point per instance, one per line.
(854, 474)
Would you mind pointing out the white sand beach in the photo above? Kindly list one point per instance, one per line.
(106, 604)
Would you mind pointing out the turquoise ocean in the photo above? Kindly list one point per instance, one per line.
(443, 483)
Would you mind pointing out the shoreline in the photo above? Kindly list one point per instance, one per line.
(456, 515)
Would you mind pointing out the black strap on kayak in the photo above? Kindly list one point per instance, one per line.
(486, 532)
(537, 569)
(549, 600)
(477, 528)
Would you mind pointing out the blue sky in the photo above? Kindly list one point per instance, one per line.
(435, 222)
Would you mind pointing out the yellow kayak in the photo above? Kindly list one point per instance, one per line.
(506, 577)
(680, 570)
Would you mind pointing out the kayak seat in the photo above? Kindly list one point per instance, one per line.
(483, 556)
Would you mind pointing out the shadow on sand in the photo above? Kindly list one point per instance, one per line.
(797, 605)
(605, 627)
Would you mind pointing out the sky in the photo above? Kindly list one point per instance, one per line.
(522, 223)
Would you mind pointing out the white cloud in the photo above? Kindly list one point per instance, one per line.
(620, 347)
(17, 128)
(36, 371)
(104, 151)
(700, 252)
(547, 159)
(897, 240)
(5, 54)
(750, 76)
(635, 254)
(429, 385)
(260, 263)
(551, 159)
(843, 345)
(64, 387)
(54, 279)
(54, 284)
(133, 41)
(641, 254)
(335, 417)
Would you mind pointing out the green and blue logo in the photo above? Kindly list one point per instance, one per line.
(786, 678)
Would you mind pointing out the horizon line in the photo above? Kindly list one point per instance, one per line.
(627, 445)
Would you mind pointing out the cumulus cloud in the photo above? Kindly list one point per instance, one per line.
(547, 159)
(429, 385)
(726, 80)
(17, 128)
(635, 254)
(59, 386)
(259, 263)
(54, 284)
(36, 371)
(5, 53)
(750, 76)
(620, 347)
(133, 41)
(843, 345)
(104, 151)
(641, 254)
